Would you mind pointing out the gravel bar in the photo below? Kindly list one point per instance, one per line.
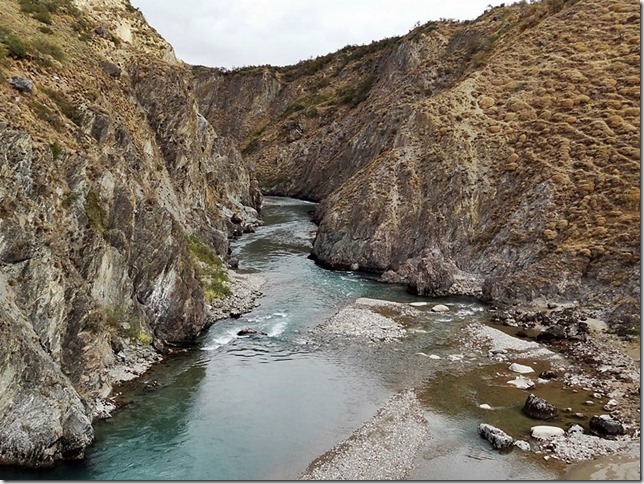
(383, 448)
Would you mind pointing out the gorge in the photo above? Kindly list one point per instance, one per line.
(496, 158)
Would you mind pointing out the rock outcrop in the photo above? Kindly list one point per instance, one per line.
(497, 157)
(115, 200)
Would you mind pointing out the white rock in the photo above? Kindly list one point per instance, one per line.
(485, 406)
(523, 369)
(434, 357)
(575, 429)
(611, 405)
(419, 303)
(522, 383)
(546, 432)
(589, 402)
(420, 353)
(440, 308)
(497, 437)
(523, 445)
(455, 357)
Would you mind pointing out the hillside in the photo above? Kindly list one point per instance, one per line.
(115, 206)
(498, 157)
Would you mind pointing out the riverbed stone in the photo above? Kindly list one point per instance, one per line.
(497, 437)
(440, 308)
(251, 332)
(523, 445)
(522, 383)
(546, 432)
(522, 369)
(605, 426)
(537, 407)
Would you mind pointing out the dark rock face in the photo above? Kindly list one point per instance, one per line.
(537, 407)
(110, 69)
(605, 427)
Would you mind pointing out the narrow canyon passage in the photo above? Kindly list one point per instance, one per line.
(265, 407)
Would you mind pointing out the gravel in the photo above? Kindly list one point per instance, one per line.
(363, 319)
(383, 448)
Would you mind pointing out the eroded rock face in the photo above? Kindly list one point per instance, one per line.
(454, 170)
(115, 199)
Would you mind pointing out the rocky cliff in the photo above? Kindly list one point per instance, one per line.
(115, 203)
(497, 157)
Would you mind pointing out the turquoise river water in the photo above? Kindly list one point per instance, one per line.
(264, 408)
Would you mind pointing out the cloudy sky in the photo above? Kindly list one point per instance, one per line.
(236, 33)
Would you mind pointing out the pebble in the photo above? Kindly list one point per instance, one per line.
(589, 402)
(485, 406)
(434, 357)
(440, 308)
(418, 304)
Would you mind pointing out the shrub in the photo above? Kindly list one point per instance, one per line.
(69, 199)
(45, 47)
(66, 107)
(209, 269)
(14, 47)
(46, 30)
(95, 213)
(56, 149)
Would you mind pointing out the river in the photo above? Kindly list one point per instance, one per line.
(263, 408)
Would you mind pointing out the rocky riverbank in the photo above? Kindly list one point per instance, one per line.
(587, 372)
(134, 359)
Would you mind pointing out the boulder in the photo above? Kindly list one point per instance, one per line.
(440, 308)
(546, 432)
(548, 375)
(497, 437)
(553, 333)
(537, 407)
(251, 332)
(523, 369)
(110, 69)
(606, 427)
(21, 84)
(236, 219)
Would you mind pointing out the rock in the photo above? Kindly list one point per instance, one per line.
(21, 84)
(419, 303)
(233, 262)
(485, 406)
(579, 415)
(251, 332)
(498, 351)
(497, 437)
(523, 445)
(522, 383)
(589, 402)
(553, 333)
(440, 308)
(236, 315)
(611, 405)
(575, 429)
(110, 69)
(605, 426)
(548, 375)
(522, 369)
(355, 266)
(546, 432)
(236, 219)
(103, 32)
(455, 357)
(434, 357)
(537, 407)
(596, 395)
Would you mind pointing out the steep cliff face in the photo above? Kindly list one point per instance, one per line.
(115, 204)
(498, 157)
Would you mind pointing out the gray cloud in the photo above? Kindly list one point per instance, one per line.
(237, 33)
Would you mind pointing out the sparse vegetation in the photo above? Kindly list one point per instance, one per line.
(69, 199)
(56, 149)
(209, 269)
(95, 213)
(353, 96)
(66, 107)
(14, 46)
(119, 321)
(45, 48)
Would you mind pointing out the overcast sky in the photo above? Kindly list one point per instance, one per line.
(236, 33)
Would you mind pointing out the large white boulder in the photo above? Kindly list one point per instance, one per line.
(523, 369)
